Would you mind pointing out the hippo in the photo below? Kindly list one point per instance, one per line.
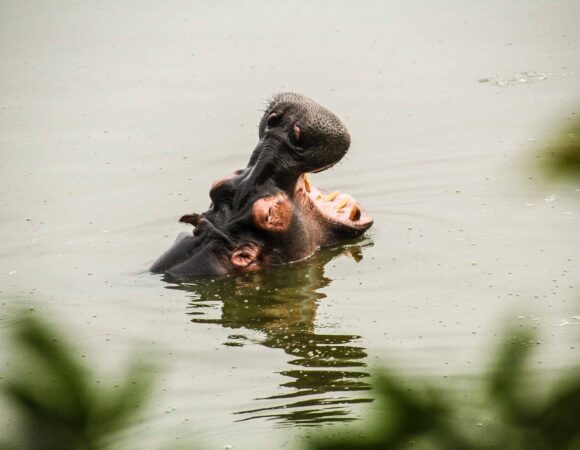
(270, 212)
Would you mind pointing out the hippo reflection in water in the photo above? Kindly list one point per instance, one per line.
(269, 212)
(325, 372)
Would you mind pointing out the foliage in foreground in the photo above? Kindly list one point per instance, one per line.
(520, 415)
(560, 157)
(59, 404)
(62, 406)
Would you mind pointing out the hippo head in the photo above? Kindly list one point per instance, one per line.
(269, 212)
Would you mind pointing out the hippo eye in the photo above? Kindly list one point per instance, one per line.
(273, 120)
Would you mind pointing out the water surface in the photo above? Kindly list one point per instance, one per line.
(115, 120)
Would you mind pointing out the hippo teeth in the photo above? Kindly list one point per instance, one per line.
(334, 207)
(306, 183)
(341, 204)
(355, 213)
(332, 196)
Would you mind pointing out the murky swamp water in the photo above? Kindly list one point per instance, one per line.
(115, 120)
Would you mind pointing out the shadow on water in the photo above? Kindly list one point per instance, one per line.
(281, 303)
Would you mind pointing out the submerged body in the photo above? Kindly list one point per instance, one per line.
(269, 212)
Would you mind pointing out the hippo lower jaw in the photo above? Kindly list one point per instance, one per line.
(337, 212)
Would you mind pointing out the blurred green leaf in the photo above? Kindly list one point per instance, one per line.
(60, 405)
(505, 381)
(561, 156)
(420, 417)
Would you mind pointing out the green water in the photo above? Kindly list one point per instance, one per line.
(116, 119)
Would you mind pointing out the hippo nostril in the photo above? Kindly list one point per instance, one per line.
(297, 133)
(273, 119)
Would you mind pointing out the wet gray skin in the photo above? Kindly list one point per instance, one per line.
(269, 213)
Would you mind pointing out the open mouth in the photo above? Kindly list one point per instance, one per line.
(337, 208)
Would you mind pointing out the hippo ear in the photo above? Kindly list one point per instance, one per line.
(273, 213)
(191, 219)
(245, 255)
